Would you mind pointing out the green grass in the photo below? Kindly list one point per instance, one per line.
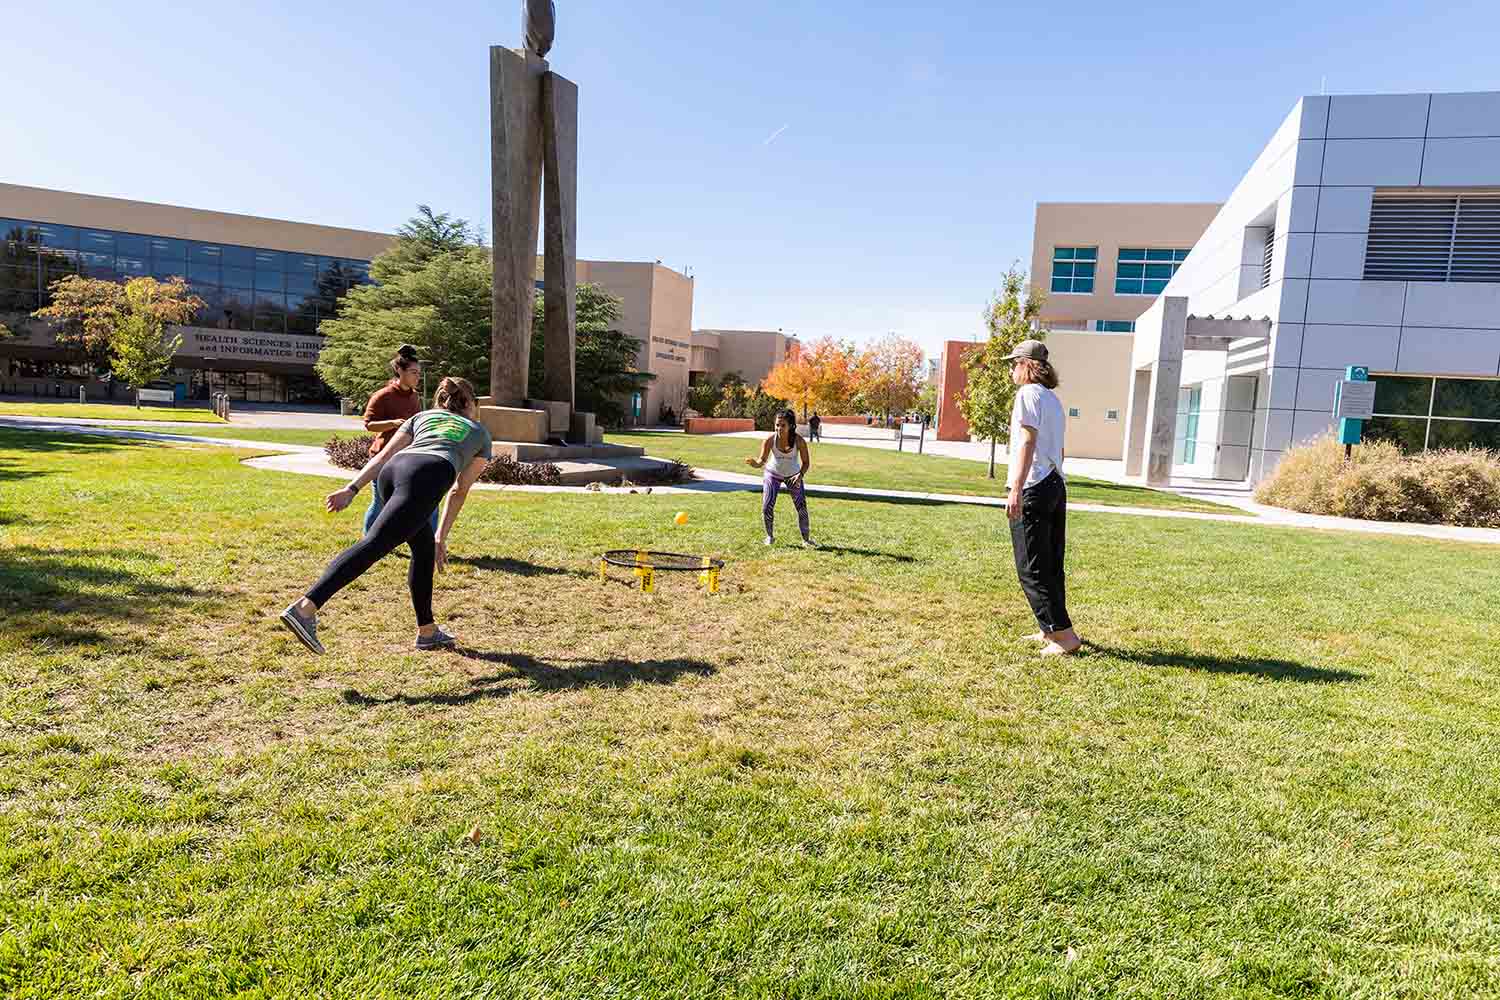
(110, 411)
(845, 776)
(875, 468)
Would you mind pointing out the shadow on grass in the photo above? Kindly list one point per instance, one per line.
(514, 567)
(57, 595)
(842, 550)
(1257, 666)
(546, 677)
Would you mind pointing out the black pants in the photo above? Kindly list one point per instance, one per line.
(1039, 539)
(412, 486)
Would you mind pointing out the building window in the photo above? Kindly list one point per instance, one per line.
(1073, 269)
(1419, 413)
(1111, 414)
(1146, 270)
(1072, 411)
(1267, 255)
(1114, 326)
(243, 288)
(1189, 407)
(1438, 236)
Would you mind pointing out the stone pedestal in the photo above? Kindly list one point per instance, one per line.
(510, 423)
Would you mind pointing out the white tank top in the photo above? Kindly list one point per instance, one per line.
(784, 464)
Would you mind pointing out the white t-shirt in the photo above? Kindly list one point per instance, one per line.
(1037, 406)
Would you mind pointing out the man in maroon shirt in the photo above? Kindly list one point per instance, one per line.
(387, 410)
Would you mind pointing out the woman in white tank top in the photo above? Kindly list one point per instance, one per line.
(786, 461)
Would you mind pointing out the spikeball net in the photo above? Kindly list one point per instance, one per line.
(646, 565)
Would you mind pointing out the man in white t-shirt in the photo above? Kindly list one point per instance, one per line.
(1037, 499)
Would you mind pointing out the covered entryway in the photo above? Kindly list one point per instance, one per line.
(1164, 416)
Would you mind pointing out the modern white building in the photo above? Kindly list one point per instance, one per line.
(1366, 233)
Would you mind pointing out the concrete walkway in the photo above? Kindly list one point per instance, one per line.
(305, 460)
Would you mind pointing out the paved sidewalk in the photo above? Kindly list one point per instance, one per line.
(307, 460)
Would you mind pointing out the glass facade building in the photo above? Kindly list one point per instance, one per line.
(245, 288)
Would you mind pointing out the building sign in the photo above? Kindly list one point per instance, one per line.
(242, 345)
(670, 355)
(200, 342)
(1353, 404)
(1356, 401)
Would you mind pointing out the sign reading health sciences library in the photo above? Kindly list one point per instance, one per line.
(242, 345)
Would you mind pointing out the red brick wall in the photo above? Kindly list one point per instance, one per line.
(952, 379)
(717, 425)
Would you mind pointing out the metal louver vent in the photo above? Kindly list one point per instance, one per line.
(1446, 237)
(1476, 239)
(1265, 261)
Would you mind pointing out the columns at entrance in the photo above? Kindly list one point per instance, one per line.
(1155, 380)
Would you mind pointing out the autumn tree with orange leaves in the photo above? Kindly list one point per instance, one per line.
(819, 376)
(888, 376)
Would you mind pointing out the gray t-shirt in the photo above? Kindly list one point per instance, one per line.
(449, 435)
(1037, 406)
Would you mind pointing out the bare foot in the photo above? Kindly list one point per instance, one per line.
(1055, 649)
(1038, 636)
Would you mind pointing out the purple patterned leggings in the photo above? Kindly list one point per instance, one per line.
(771, 487)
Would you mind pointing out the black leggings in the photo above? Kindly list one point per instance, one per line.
(1040, 542)
(412, 486)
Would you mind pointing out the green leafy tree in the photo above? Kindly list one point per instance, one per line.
(130, 321)
(424, 236)
(705, 397)
(751, 402)
(1011, 317)
(440, 305)
(927, 399)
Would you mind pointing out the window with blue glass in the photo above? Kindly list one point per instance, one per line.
(1146, 270)
(242, 288)
(1073, 269)
(1114, 326)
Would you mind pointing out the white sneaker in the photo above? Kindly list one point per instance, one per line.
(808, 543)
(770, 541)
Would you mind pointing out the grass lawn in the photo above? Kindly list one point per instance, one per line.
(874, 468)
(110, 411)
(845, 776)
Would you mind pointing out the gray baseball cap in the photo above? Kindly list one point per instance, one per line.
(1033, 350)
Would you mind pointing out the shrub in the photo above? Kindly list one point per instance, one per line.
(354, 452)
(1379, 483)
(670, 473)
(508, 472)
(349, 452)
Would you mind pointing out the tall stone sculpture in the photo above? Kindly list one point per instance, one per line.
(533, 149)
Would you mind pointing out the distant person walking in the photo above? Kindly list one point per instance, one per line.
(785, 459)
(391, 406)
(815, 427)
(1037, 500)
(442, 450)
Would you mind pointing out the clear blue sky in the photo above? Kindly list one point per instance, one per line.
(912, 141)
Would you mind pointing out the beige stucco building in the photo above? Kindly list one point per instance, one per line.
(656, 308)
(267, 283)
(1101, 265)
(750, 354)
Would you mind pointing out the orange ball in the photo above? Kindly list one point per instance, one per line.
(681, 517)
